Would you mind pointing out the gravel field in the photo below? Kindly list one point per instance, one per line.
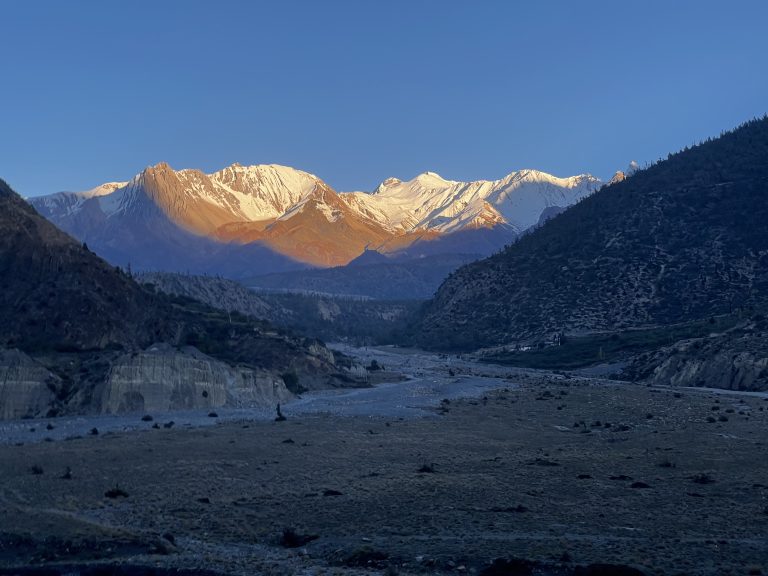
(407, 479)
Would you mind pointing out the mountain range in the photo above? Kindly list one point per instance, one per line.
(249, 220)
(682, 240)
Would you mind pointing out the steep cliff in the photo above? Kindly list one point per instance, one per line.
(162, 379)
(735, 360)
(26, 387)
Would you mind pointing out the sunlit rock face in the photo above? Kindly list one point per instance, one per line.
(244, 220)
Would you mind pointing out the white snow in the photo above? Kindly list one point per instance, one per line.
(429, 201)
(426, 202)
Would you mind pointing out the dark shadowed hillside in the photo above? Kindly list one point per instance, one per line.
(88, 323)
(331, 318)
(416, 278)
(681, 240)
(57, 294)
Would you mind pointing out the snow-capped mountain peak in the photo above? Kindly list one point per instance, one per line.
(431, 202)
(279, 204)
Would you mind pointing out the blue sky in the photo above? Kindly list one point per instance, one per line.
(356, 91)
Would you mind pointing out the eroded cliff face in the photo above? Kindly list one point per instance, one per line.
(26, 387)
(162, 379)
(733, 360)
(739, 371)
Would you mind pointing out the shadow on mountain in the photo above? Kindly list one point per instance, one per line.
(147, 239)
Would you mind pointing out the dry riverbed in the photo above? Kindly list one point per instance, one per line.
(561, 471)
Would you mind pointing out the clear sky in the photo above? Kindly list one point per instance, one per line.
(359, 90)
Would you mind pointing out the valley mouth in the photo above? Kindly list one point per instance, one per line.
(509, 465)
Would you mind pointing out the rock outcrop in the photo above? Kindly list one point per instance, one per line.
(26, 387)
(741, 371)
(162, 379)
(733, 360)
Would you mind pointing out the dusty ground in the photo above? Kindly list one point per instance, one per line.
(528, 472)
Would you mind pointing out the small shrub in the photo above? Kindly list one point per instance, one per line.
(374, 366)
(365, 557)
(702, 479)
(292, 539)
(116, 492)
(36, 469)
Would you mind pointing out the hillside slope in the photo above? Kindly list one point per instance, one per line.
(78, 323)
(414, 279)
(683, 239)
(57, 294)
(330, 318)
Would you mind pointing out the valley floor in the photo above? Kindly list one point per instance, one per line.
(550, 468)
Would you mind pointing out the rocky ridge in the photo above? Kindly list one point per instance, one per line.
(736, 359)
(259, 219)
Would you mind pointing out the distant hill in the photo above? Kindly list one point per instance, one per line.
(412, 279)
(681, 240)
(329, 317)
(217, 292)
